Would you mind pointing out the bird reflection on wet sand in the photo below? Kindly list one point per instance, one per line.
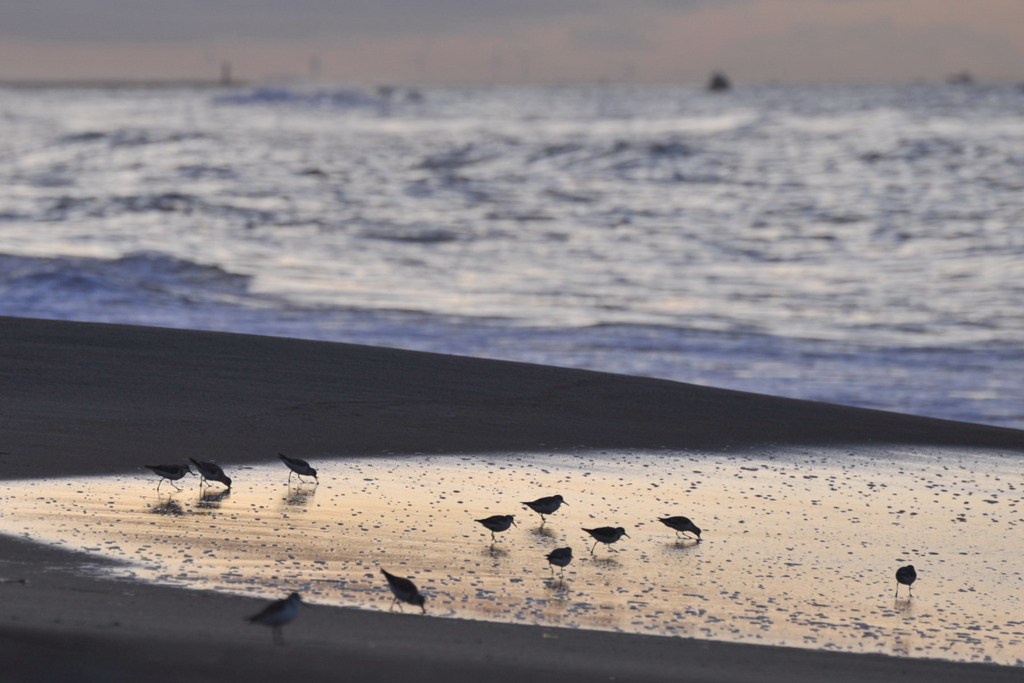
(543, 533)
(212, 499)
(169, 507)
(903, 606)
(558, 587)
(494, 552)
(605, 561)
(299, 495)
(682, 545)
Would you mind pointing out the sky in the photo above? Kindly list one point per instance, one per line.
(513, 41)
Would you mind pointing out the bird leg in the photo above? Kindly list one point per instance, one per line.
(595, 545)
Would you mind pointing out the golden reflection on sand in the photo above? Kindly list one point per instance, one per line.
(798, 549)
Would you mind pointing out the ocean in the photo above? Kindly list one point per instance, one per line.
(858, 245)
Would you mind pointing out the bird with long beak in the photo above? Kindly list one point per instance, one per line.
(299, 467)
(211, 471)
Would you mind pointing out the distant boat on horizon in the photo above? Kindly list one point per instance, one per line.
(719, 82)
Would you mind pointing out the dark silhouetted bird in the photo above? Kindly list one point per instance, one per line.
(545, 506)
(559, 557)
(299, 467)
(497, 523)
(606, 535)
(171, 473)
(211, 471)
(277, 614)
(404, 591)
(681, 524)
(907, 576)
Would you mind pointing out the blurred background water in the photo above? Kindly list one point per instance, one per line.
(860, 245)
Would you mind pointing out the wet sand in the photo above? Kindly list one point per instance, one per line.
(92, 399)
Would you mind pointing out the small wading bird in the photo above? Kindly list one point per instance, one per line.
(606, 535)
(277, 614)
(559, 557)
(681, 524)
(907, 576)
(211, 471)
(545, 506)
(497, 523)
(299, 467)
(171, 473)
(404, 590)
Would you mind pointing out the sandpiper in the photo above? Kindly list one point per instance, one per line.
(545, 506)
(681, 524)
(277, 614)
(559, 557)
(211, 471)
(497, 523)
(907, 576)
(606, 535)
(299, 467)
(171, 473)
(404, 591)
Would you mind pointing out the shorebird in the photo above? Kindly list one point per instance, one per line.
(606, 535)
(277, 614)
(907, 576)
(559, 557)
(545, 506)
(171, 473)
(211, 471)
(404, 591)
(299, 467)
(681, 524)
(497, 523)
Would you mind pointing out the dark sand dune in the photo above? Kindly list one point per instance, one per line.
(87, 399)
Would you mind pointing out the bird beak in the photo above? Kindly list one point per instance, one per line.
(626, 535)
(514, 523)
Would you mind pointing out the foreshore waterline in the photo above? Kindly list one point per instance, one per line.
(85, 399)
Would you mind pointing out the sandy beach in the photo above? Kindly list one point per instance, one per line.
(85, 399)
